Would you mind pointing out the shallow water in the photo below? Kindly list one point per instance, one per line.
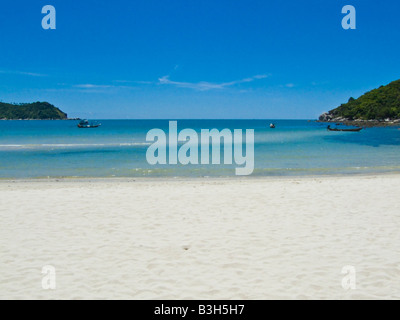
(34, 149)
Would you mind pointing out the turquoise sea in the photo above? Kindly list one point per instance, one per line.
(41, 149)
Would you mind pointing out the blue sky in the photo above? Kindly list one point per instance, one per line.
(196, 58)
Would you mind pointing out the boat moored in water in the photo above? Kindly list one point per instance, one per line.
(344, 130)
(86, 124)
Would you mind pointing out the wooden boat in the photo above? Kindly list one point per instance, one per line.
(344, 130)
(85, 124)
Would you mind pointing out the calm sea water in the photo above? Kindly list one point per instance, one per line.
(35, 149)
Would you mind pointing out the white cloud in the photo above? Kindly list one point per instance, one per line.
(131, 81)
(200, 86)
(23, 73)
(92, 86)
(204, 86)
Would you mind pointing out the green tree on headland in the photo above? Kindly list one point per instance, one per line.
(378, 104)
(31, 111)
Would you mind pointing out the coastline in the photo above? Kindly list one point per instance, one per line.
(364, 123)
(197, 178)
(212, 238)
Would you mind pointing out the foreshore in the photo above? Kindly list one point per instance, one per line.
(257, 238)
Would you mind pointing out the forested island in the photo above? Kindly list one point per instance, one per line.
(30, 111)
(379, 106)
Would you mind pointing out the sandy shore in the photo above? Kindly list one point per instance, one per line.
(201, 239)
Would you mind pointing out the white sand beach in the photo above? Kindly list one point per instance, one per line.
(263, 238)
